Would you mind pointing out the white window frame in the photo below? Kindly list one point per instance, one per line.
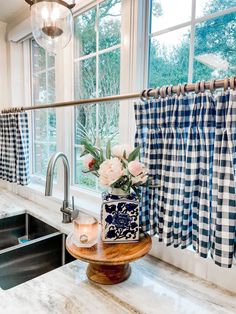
(36, 177)
(132, 67)
(96, 54)
(192, 23)
(125, 127)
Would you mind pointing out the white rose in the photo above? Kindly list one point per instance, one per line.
(118, 150)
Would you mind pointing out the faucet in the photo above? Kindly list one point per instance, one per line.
(66, 209)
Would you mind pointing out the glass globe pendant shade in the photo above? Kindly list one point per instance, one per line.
(52, 25)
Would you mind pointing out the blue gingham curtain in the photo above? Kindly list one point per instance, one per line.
(187, 143)
(223, 227)
(14, 148)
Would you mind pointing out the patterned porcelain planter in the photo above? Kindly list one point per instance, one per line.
(120, 217)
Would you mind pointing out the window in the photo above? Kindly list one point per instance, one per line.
(191, 41)
(44, 121)
(97, 43)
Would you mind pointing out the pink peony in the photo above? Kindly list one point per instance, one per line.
(118, 151)
(89, 162)
(135, 168)
(110, 171)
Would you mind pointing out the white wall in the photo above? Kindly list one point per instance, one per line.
(4, 101)
(190, 262)
(16, 74)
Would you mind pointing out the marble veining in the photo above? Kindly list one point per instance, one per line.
(153, 287)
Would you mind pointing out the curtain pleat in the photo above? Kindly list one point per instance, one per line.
(188, 144)
(223, 225)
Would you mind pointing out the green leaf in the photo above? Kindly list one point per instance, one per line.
(134, 154)
(91, 149)
(84, 153)
(137, 191)
(108, 150)
(121, 182)
(101, 157)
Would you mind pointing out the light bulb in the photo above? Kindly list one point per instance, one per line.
(55, 14)
(52, 25)
(45, 13)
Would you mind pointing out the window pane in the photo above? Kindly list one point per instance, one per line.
(108, 123)
(43, 77)
(109, 23)
(41, 159)
(52, 149)
(40, 125)
(169, 58)
(205, 7)
(85, 33)
(39, 85)
(95, 76)
(215, 48)
(51, 61)
(52, 125)
(51, 86)
(39, 57)
(85, 123)
(109, 73)
(85, 78)
(167, 13)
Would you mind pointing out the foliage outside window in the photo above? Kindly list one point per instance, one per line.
(44, 121)
(186, 47)
(96, 74)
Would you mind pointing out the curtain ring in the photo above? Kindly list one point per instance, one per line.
(183, 89)
(212, 86)
(163, 91)
(178, 90)
(202, 86)
(197, 85)
(226, 84)
(170, 90)
(142, 95)
(147, 93)
(157, 92)
(232, 82)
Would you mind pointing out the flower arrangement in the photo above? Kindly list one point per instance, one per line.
(116, 167)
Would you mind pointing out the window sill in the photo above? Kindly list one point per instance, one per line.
(86, 201)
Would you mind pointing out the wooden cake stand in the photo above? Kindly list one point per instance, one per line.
(109, 263)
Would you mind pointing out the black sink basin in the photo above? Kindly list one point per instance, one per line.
(21, 228)
(28, 249)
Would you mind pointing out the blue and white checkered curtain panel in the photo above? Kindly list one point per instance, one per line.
(14, 148)
(188, 143)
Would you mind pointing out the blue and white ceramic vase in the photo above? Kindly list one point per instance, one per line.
(120, 217)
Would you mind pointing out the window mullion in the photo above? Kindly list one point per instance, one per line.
(192, 36)
(97, 78)
(48, 149)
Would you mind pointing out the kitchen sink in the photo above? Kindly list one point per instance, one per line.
(28, 249)
(22, 228)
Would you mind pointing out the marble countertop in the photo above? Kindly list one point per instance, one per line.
(154, 287)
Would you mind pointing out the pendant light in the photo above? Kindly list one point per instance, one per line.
(52, 23)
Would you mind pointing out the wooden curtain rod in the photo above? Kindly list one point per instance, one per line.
(162, 91)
